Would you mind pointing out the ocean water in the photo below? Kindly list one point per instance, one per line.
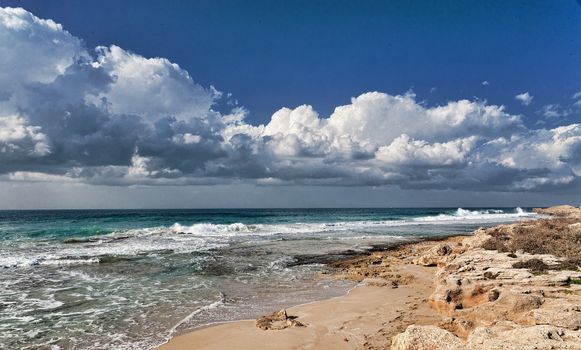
(131, 279)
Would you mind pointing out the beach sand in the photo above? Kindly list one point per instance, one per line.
(367, 317)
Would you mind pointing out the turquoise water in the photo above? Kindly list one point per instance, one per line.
(130, 279)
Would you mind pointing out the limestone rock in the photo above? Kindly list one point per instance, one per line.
(566, 316)
(477, 239)
(277, 321)
(525, 338)
(426, 338)
(458, 326)
(560, 210)
(519, 302)
(433, 256)
(576, 227)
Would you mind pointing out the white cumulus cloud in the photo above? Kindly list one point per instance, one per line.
(109, 116)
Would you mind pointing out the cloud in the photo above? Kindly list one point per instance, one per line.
(112, 117)
(405, 151)
(554, 110)
(18, 140)
(486, 83)
(34, 50)
(577, 98)
(149, 87)
(525, 98)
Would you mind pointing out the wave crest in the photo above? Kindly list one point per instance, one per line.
(489, 215)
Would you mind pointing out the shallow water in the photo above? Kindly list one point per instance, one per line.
(130, 279)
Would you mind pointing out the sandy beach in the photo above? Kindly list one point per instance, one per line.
(373, 311)
(455, 293)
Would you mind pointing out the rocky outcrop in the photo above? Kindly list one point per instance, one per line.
(560, 210)
(565, 315)
(575, 228)
(435, 255)
(503, 336)
(513, 337)
(277, 321)
(500, 289)
(426, 338)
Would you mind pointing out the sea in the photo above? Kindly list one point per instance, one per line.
(132, 279)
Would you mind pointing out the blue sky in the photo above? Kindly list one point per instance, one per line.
(270, 54)
(296, 103)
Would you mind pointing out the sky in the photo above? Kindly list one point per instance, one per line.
(157, 104)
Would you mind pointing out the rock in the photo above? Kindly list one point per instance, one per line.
(566, 316)
(433, 256)
(426, 338)
(524, 338)
(277, 321)
(559, 279)
(477, 239)
(496, 305)
(575, 228)
(444, 299)
(458, 326)
(559, 210)
(490, 275)
(515, 302)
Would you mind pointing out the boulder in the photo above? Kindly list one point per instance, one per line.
(426, 338)
(566, 316)
(277, 321)
(515, 302)
(525, 338)
(433, 256)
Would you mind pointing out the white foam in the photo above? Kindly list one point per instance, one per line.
(211, 306)
(68, 261)
(492, 215)
(208, 229)
(92, 252)
(16, 261)
(179, 238)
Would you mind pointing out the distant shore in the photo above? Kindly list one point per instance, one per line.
(501, 288)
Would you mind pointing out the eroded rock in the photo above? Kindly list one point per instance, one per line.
(514, 297)
(277, 321)
(426, 338)
(524, 338)
(433, 256)
(560, 315)
(515, 302)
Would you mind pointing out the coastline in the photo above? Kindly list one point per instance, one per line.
(366, 307)
(404, 295)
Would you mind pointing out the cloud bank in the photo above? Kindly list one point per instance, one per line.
(109, 116)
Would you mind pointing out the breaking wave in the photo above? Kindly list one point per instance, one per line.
(490, 215)
(180, 238)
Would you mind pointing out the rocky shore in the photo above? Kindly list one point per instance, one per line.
(508, 287)
(515, 286)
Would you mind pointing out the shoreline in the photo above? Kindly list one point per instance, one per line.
(329, 261)
(360, 295)
(398, 296)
